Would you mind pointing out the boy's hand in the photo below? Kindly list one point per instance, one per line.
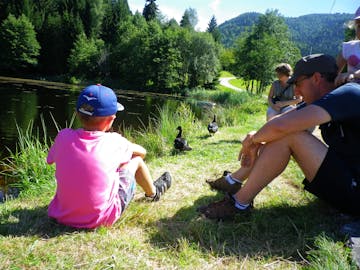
(138, 150)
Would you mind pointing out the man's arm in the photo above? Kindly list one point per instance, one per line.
(291, 122)
(278, 127)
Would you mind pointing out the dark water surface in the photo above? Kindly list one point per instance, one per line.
(23, 102)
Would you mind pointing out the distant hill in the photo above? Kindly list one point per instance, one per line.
(313, 33)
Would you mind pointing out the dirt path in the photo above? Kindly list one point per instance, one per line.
(225, 82)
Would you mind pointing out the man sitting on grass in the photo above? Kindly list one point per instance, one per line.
(332, 170)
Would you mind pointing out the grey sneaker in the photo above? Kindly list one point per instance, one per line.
(162, 184)
(224, 209)
(221, 184)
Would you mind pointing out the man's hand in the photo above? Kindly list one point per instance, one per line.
(249, 151)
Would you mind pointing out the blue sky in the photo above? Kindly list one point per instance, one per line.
(228, 9)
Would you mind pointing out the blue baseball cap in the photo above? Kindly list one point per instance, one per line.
(98, 100)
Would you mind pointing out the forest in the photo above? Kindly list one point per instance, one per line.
(326, 37)
(101, 40)
(97, 39)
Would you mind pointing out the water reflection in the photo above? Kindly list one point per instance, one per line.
(23, 102)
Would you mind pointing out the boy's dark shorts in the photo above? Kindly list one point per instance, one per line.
(336, 183)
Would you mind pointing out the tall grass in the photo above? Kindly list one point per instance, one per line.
(26, 168)
(233, 108)
(159, 134)
(225, 97)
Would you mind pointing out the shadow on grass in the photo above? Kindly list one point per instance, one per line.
(225, 142)
(22, 222)
(282, 230)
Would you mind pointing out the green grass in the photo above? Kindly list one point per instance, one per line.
(240, 83)
(288, 229)
(25, 168)
(226, 74)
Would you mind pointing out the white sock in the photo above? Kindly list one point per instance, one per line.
(241, 206)
(231, 180)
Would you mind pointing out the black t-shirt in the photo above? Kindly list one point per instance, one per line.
(342, 133)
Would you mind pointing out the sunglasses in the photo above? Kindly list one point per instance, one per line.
(296, 83)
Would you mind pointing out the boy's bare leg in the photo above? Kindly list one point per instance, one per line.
(308, 151)
(138, 167)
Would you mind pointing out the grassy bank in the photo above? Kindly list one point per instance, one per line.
(289, 229)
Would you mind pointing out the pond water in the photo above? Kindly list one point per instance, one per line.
(26, 101)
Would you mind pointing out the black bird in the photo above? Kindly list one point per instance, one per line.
(180, 143)
(213, 127)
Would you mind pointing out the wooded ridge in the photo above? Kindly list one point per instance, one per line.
(312, 33)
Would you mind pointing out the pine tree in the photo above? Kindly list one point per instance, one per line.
(214, 30)
(189, 19)
(151, 10)
(116, 12)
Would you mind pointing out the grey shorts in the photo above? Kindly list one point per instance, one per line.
(127, 187)
(337, 183)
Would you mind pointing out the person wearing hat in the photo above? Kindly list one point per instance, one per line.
(350, 56)
(97, 170)
(331, 169)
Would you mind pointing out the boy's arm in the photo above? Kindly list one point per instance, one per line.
(138, 150)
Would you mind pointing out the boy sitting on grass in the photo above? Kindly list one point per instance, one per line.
(97, 170)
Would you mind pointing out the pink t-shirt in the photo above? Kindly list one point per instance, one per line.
(87, 177)
(351, 52)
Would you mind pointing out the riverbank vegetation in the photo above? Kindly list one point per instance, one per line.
(288, 229)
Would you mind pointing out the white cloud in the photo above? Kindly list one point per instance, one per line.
(134, 8)
(214, 5)
(170, 13)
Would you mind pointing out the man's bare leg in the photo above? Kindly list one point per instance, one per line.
(308, 151)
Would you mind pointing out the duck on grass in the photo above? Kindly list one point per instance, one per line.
(213, 126)
(181, 143)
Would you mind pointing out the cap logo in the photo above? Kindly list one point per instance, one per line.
(89, 98)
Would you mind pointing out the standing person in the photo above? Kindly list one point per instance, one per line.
(281, 96)
(350, 56)
(332, 170)
(97, 170)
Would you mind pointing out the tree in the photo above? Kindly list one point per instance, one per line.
(129, 60)
(92, 17)
(151, 10)
(166, 61)
(86, 57)
(58, 40)
(204, 60)
(227, 59)
(266, 45)
(189, 19)
(18, 44)
(214, 30)
(116, 12)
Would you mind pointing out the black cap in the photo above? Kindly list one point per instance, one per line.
(310, 64)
